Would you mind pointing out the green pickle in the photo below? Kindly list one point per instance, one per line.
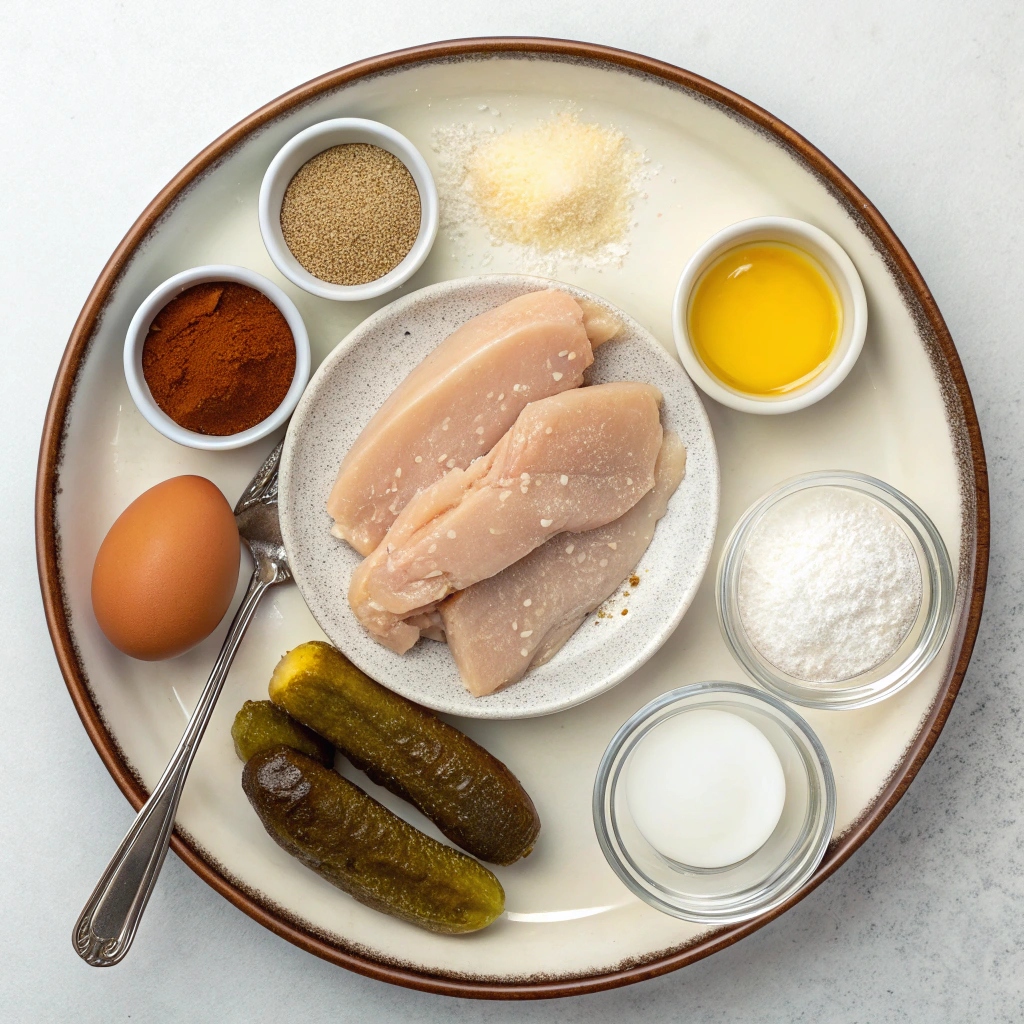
(357, 844)
(261, 725)
(468, 793)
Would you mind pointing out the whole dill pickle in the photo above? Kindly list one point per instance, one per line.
(468, 793)
(357, 844)
(260, 725)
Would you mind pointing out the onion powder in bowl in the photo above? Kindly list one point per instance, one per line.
(834, 590)
(829, 585)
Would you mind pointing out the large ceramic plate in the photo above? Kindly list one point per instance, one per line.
(353, 382)
(904, 414)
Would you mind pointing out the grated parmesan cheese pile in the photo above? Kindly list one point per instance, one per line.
(562, 190)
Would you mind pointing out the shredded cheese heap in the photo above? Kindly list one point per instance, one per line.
(562, 185)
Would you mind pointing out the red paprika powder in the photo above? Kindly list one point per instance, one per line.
(219, 358)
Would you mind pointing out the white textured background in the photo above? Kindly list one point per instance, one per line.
(921, 102)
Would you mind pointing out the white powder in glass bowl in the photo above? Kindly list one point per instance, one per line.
(830, 585)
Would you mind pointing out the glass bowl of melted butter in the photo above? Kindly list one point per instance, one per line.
(769, 315)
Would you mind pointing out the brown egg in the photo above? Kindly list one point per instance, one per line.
(167, 569)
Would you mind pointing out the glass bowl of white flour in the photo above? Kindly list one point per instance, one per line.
(835, 590)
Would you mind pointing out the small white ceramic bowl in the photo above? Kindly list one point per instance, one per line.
(136, 338)
(302, 148)
(832, 259)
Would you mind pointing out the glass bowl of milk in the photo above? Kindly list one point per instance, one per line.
(715, 803)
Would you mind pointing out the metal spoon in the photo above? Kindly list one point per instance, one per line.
(104, 932)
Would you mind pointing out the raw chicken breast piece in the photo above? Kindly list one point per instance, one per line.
(575, 461)
(501, 627)
(457, 404)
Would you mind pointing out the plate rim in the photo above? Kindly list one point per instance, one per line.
(973, 567)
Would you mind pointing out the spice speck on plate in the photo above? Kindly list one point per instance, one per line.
(219, 358)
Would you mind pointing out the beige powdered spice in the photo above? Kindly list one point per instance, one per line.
(351, 214)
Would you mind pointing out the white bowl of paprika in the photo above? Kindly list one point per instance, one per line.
(216, 357)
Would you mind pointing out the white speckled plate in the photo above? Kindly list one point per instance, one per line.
(353, 383)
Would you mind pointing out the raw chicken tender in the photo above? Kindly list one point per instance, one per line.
(501, 627)
(575, 461)
(459, 402)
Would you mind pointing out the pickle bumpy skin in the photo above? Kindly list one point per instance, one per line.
(357, 844)
(468, 793)
(260, 725)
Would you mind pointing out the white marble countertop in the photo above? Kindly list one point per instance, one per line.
(922, 104)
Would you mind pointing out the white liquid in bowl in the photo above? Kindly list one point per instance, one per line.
(705, 788)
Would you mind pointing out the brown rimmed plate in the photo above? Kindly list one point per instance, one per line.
(905, 415)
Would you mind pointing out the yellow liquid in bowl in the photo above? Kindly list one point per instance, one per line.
(764, 318)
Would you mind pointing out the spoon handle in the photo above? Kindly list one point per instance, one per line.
(104, 932)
